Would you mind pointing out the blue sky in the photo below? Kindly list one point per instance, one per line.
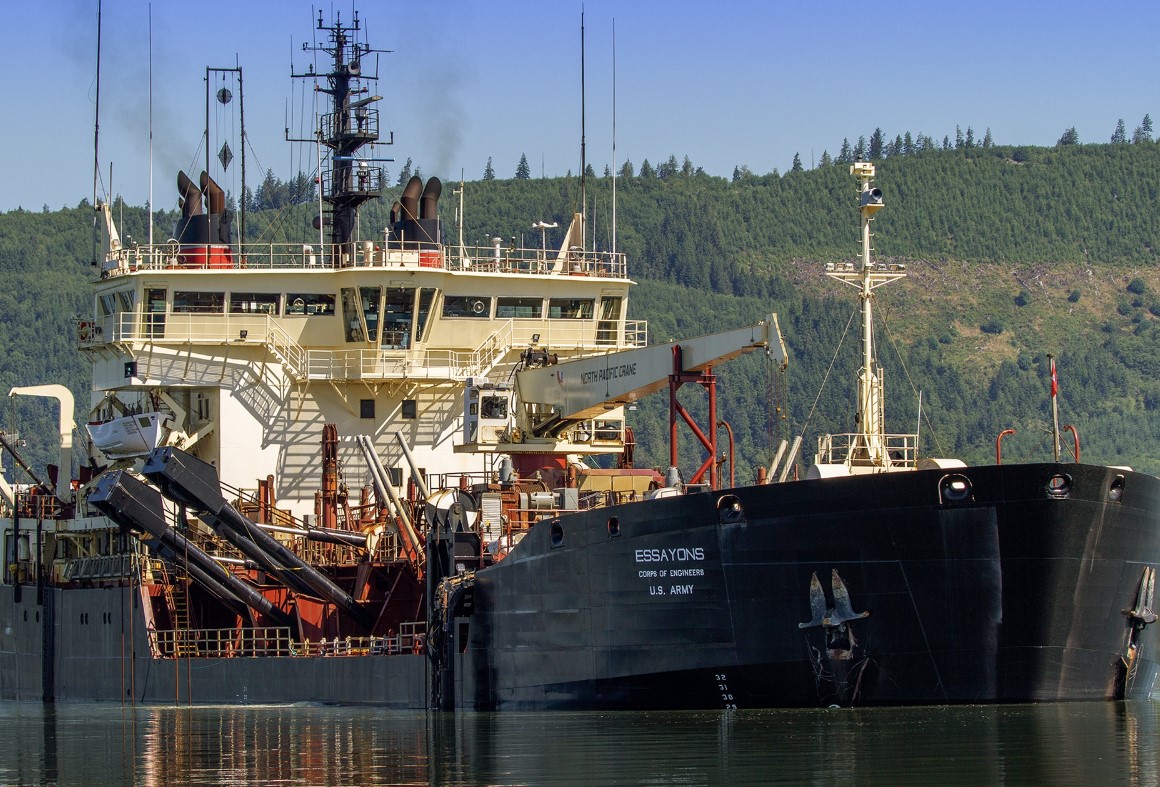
(726, 83)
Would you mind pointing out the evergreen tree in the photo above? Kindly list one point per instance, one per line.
(946, 142)
(970, 140)
(646, 170)
(607, 171)
(826, 160)
(489, 171)
(741, 173)
(1143, 132)
(958, 138)
(1070, 137)
(1120, 135)
(589, 172)
(875, 150)
(797, 164)
(860, 149)
(626, 170)
(668, 168)
(845, 155)
(404, 174)
(987, 141)
(523, 171)
(687, 167)
(907, 144)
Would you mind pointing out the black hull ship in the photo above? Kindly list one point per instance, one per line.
(864, 590)
(364, 384)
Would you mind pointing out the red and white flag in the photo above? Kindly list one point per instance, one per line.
(1054, 380)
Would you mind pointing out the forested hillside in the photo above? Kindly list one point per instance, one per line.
(1011, 254)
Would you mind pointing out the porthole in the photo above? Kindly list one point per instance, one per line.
(955, 488)
(729, 510)
(613, 526)
(1059, 486)
(556, 533)
(1116, 489)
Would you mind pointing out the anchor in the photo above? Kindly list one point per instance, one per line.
(1139, 616)
(838, 615)
(839, 675)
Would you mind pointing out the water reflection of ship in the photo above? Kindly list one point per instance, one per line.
(1106, 743)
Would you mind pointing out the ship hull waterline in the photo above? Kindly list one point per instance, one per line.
(1011, 595)
(858, 591)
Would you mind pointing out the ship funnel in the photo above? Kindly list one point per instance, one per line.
(410, 199)
(429, 203)
(204, 237)
(215, 197)
(190, 196)
(396, 212)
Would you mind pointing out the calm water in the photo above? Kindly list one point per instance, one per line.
(1090, 744)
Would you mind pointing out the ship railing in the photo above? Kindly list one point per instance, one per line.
(360, 122)
(277, 641)
(635, 333)
(33, 503)
(541, 262)
(361, 180)
(393, 254)
(224, 643)
(437, 364)
(901, 449)
(300, 363)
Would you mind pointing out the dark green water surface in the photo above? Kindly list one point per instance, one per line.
(1083, 743)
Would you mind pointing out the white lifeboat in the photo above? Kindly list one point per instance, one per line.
(133, 435)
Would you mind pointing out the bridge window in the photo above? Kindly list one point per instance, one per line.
(253, 303)
(473, 306)
(397, 314)
(519, 308)
(570, 308)
(309, 304)
(198, 302)
(426, 298)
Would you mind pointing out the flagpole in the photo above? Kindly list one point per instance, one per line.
(1054, 408)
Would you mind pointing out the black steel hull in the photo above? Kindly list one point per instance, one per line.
(1010, 595)
(90, 644)
(710, 601)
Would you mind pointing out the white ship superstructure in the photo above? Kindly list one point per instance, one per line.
(253, 358)
(249, 349)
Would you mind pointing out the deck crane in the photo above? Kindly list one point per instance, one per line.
(574, 406)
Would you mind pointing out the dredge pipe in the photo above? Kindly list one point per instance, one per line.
(193, 493)
(186, 479)
(134, 504)
(415, 474)
(383, 485)
(326, 535)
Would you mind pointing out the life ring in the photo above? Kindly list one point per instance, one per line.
(84, 330)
